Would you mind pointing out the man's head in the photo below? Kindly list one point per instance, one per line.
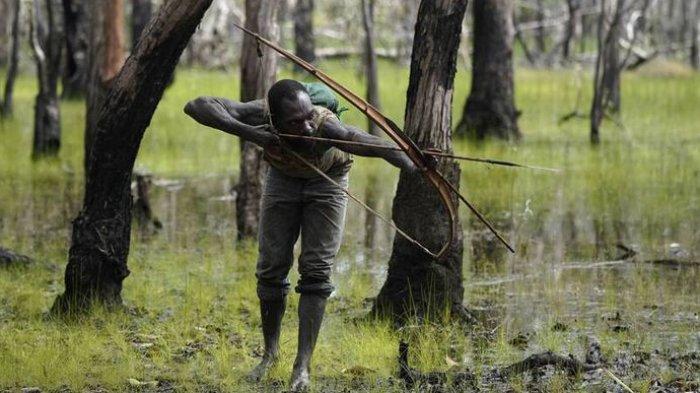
(290, 107)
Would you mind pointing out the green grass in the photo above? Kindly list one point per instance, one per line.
(193, 319)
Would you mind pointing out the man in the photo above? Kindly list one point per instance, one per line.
(296, 199)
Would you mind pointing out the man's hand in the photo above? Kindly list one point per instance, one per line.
(268, 135)
(431, 161)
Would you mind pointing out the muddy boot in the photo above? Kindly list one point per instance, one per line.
(271, 313)
(311, 309)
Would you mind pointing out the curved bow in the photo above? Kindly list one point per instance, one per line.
(442, 185)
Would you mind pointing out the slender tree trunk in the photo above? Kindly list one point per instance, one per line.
(47, 45)
(573, 7)
(105, 59)
(76, 28)
(540, 32)
(141, 11)
(695, 39)
(5, 15)
(257, 75)
(6, 108)
(606, 88)
(372, 96)
(304, 39)
(416, 284)
(490, 109)
(370, 61)
(97, 261)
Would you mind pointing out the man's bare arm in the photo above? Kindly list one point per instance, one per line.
(334, 129)
(245, 120)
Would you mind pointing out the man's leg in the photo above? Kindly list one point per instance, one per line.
(321, 234)
(280, 220)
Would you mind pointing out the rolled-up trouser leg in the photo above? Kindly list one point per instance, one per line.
(323, 219)
(280, 220)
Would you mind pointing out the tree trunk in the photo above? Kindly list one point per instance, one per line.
(257, 75)
(47, 45)
(695, 39)
(417, 285)
(76, 30)
(105, 59)
(540, 32)
(5, 15)
(97, 261)
(370, 61)
(6, 108)
(304, 39)
(573, 8)
(141, 11)
(373, 98)
(606, 80)
(490, 109)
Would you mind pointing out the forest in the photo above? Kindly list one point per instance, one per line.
(341, 196)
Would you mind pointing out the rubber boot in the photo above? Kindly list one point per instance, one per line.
(311, 309)
(271, 314)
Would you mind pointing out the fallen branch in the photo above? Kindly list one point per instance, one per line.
(569, 364)
(10, 258)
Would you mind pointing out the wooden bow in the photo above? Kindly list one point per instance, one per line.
(442, 185)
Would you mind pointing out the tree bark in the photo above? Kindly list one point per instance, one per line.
(257, 75)
(6, 109)
(5, 17)
(105, 59)
(141, 11)
(573, 8)
(304, 39)
(417, 285)
(47, 46)
(695, 39)
(490, 109)
(97, 261)
(76, 34)
(606, 80)
(540, 32)
(372, 96)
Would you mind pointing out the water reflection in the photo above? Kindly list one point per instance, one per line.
(533, 288)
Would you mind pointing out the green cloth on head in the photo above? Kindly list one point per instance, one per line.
(322, 95)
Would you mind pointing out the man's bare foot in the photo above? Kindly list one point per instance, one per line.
(261, 370)
(300, 379)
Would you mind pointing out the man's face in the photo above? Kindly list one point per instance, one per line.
(296, 116)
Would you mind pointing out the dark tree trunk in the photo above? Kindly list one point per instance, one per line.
(5, 15)
(695, 39)
(97, 261)
(147, 222)
(257, 75)
(573, 8)
(606, 87)
(540, 32)
(76, 33)
(47, 45)
(490, 109)
(370, 61)
(141, 11)
(105, 59)
(304, 39)
(417, 285)
(373, 98)
(6, 108)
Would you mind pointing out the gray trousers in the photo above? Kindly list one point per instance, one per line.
(314, 208)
